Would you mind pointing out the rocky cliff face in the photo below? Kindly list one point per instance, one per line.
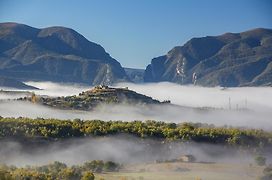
(232, 59)
(135, 75)
(55, 54)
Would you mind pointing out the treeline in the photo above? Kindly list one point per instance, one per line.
(57, 129)
(58, 171)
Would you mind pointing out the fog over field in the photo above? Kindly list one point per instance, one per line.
(189, 98)
(120, 148)
(125, 149)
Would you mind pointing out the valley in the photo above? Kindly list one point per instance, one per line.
(135, 90)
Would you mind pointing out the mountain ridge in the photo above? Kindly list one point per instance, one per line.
(55, 53)
(6, 82)
(224, 60)
(61, 54)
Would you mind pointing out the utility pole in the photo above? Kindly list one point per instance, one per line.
(246, 103)
(229, 103)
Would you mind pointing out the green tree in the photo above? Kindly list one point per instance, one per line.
(260, 160)
(88, 176)
(110, 166)
(69, 174)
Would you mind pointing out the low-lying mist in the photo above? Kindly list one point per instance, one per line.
(4, 96)
(216, 97)
(244, 107)
(121, 149)
(166, 113)
(189, 98)
(58, 89)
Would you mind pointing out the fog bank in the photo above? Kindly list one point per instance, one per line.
(122, 149)
(58, 89)
(257, 100)
(217, 97)
(188, 107)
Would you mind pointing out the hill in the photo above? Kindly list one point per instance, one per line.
(231, 59)
(90, 99)
(12, 83)
(55, 54)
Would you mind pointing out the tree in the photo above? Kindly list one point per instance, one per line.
(33, 97)
(110, 166)
(88, 176)
(5, 175)
(260, 160)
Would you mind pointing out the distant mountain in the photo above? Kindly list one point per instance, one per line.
(231, 59)
(12, 83)
(55, 54)
(135, 75)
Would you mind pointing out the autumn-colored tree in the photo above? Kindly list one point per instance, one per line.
(88, 176)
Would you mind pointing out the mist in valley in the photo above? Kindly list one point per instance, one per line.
(120, 148)
(250, 107)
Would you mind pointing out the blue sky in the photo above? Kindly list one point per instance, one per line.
(135, 31)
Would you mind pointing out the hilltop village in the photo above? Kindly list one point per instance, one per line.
(90, 99)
